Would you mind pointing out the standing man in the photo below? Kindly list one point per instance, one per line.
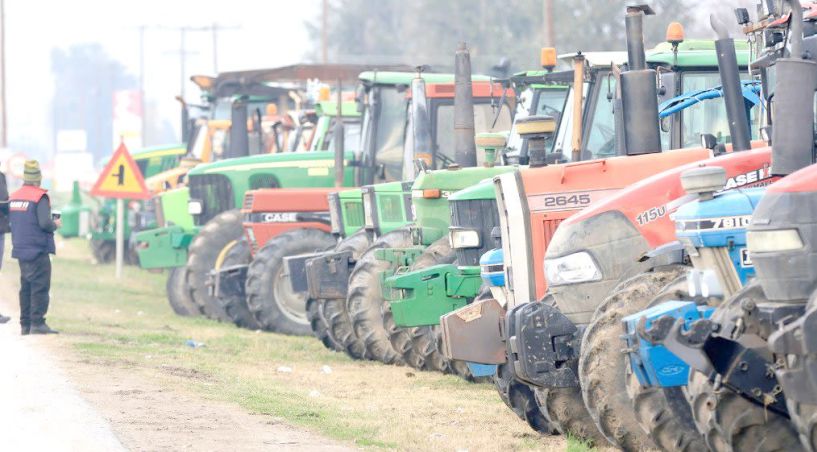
(4, 225)
(32, 238)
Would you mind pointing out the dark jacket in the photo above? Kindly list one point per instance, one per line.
(4, 206)
(32, 232)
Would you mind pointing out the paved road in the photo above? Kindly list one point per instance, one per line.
(39, 408)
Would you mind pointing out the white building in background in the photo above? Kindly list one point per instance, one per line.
(72, 162)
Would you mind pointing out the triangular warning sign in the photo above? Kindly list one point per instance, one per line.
(121, 178)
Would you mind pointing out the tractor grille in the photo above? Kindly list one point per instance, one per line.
(548, 229)
(215, 193)
(248, 198)
(480, 215)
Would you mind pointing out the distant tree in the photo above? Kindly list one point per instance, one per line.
(85, 78)
(426, 31)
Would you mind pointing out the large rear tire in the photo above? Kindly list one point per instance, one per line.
(324, 326)
(178, 295)
(520, 398)
(727, 420)
(104, 251)
(236, 252)
(365, 301)
(602, 367)
(269, 292)
(202, 255)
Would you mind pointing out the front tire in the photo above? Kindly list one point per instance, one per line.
(236, 252)
(178, 295)
(520, 398)
(602, 367)
(269, 292)
(365, 300)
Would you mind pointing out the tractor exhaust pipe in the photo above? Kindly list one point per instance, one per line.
(338, 135)
(465, 149)
(420, 130)
(239, 135)
(730, 81)
(792, 129)
(639, 96)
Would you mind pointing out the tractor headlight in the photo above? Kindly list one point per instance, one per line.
(571, 269)
(463, 238)
(773, 241)
(195, 207)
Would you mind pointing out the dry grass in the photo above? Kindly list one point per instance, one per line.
(363, 403)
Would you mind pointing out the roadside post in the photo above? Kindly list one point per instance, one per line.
(121, 179)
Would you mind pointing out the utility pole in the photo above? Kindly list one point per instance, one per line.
(214, 29)
(324, 34)
(3, 120)
(142, 103)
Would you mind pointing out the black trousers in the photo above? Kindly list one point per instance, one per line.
(35, 282)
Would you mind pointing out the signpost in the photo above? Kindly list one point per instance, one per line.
(121, 179)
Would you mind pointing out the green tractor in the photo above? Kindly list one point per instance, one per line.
(209, 203)
(274, 287)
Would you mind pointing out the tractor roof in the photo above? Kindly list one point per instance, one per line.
(695, 53)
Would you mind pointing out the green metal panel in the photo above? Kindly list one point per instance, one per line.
(695, 53)
(482, 190)
(391, 206)
(174, 207)
(164, 247)
(419, 298)
(351, 210)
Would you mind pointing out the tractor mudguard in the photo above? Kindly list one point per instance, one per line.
(327, 275)
(163, 247)
(420, 297)
(543, 345)
(227, 281)
(296, 267)
(474, 333)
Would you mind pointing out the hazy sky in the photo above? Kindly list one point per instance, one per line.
(270, 33)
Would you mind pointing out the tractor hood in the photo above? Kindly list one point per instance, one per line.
(481, 191)
(450, 180)
(318, 163)
(287, 200)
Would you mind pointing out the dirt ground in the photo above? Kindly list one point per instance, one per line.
(125, 353)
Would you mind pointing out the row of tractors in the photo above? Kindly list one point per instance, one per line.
(620, 241)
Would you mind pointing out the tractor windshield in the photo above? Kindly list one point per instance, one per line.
(351, 136)
(536, 101)
(484, 114)
(386, 117)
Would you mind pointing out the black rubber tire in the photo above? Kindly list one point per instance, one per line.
(664, 413)
(365, 300)
(104, 251)
(178, 294)
(237, 253)
(520, 398)
(201, 258)
(423, 352)
(730, 422)
(602, 367)
(567, 413)
(266, 277)
(319, 325)
(323, 324)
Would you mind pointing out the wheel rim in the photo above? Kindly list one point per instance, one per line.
(291, 304)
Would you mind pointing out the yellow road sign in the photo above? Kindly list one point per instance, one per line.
(121, 178)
